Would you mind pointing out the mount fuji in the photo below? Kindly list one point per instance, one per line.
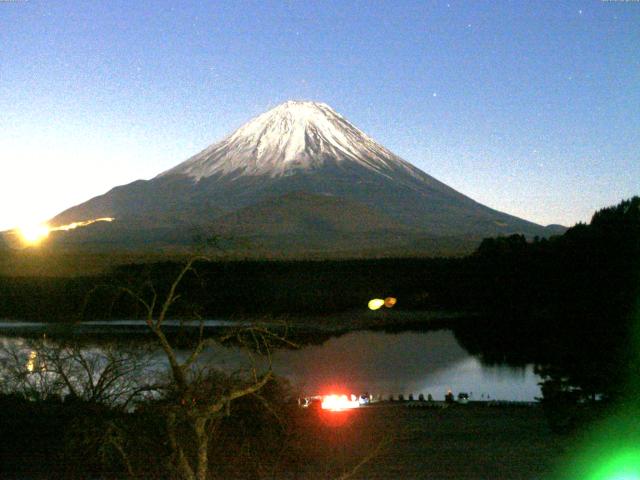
(298, 179)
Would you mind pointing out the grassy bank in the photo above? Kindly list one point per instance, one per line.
(461, 442)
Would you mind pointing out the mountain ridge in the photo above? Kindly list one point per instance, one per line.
(299, 147)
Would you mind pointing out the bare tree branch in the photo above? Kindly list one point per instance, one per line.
(366, 459)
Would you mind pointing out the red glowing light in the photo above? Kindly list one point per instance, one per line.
(338, 403)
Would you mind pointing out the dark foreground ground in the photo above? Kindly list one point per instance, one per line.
(460, 442)
(392, 441)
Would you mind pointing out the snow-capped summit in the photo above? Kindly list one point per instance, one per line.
(294, 136)
(298, 179)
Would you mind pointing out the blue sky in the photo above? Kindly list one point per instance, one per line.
(528, 107)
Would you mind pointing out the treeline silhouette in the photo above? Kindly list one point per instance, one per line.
(238, 288)
(589, 271)
(568, 304)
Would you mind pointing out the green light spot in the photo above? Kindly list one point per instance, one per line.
(621, 466)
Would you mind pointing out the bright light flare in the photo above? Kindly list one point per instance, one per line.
(338, 403)
(375, 304)
(33, 234)
(623, 465)
(74, 225)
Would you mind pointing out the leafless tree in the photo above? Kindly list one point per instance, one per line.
(113, 376)
(198, 396)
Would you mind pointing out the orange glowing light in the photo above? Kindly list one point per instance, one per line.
(338, 403)
(390, 302)
(32, 235)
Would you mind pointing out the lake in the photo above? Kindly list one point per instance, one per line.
(378, 363)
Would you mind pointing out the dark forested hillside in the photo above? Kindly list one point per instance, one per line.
(590, 271)
(568, 304)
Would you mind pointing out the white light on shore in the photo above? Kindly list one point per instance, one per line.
(338, 403)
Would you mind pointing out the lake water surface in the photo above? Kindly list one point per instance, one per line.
(379, 363)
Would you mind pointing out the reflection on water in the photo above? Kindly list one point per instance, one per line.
(410, 362)
(486, 383)
(31, 361)
(381, 364)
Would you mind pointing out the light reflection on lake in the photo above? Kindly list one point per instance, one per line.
(403, 363)
(382, 364)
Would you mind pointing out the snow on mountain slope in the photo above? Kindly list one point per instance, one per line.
(300, 167)
(294, 136)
